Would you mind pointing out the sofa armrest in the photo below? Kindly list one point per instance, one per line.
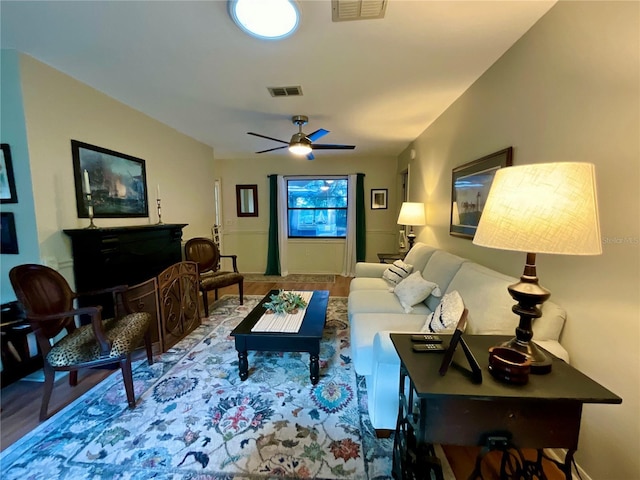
(384, 350)
(370, 269)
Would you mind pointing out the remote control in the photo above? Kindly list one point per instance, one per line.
(426, 338)
(427, 347)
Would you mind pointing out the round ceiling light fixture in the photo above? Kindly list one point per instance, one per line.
(267, 19)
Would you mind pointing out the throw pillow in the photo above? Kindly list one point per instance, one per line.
(413, 290)
(397, 272)
(446, 315)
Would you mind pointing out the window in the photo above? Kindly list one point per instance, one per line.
(317, 207)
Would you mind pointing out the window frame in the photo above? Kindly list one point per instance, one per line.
(311, 178)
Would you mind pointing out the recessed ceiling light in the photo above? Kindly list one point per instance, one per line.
(268, 19)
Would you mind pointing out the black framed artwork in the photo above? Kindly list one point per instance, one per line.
(116, 181)
(470, 185)
(8, 192)
(379, 198)
(8, 236)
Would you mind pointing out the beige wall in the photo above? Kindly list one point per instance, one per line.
(57, 109)
(567, 91)
(247, 236)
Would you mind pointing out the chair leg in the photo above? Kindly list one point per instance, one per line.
(148, 346)
(241, 288)
(127, 376)
(49, 377)
(205, 301)
(73, 378)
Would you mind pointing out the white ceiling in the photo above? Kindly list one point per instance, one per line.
(377, 84)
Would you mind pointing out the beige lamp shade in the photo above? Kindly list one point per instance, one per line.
(412, 213)
(542, 208)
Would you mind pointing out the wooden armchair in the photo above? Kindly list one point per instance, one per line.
(49, 305)
(205, 253)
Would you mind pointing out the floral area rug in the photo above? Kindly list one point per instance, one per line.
(195, 419)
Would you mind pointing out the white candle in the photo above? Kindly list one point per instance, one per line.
(158, 191)
(87, 186)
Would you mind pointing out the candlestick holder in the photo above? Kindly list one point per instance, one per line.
(90, 210)
(159, 212)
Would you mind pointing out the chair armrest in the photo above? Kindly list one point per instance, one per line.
(234, 259)
(96, 323)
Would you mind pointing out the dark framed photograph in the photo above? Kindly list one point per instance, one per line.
(117, 182)
(379, 198)
(470, 185)
(8, 192)
(8, 236)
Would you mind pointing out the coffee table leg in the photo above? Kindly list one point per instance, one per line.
(314, 368)
(243, 365)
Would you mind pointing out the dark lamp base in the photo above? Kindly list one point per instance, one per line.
(540, 362)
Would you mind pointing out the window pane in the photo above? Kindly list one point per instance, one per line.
(317, 207)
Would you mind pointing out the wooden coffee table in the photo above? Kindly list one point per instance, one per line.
(307, 339)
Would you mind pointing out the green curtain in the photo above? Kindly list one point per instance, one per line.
(273, 252)
(361, 230)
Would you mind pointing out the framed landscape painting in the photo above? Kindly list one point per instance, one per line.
(470, 185)
(117, 182)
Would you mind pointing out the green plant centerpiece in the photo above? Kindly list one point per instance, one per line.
(285, 302)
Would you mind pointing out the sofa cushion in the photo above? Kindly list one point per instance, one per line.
(397, 272)
(441, 268)
(446, 315)
(365, 326)
(419, 255)
(413, 290)
(380, 301)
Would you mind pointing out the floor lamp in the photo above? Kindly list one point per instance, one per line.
(411, 213)
(540, 208)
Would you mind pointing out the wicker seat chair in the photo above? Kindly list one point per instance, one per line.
(205, 253)
(48, 302)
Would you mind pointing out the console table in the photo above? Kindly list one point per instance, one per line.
(452, 410)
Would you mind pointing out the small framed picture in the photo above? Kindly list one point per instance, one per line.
(7, 181)
(9, 244)
(378, 199)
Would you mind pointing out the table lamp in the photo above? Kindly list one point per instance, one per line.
(540, 208)
(411, 213)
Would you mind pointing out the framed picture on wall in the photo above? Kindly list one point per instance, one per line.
(470, 185)
(117, 182)
(8, 236)
(379, 198)
(8, 192)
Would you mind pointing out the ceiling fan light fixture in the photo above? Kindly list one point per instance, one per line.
(300, 148)
(266, 19)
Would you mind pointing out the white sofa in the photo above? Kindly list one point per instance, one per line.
(374, 312)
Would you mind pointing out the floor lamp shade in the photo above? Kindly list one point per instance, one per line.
(539, 208)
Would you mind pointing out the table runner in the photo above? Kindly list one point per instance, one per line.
(283, 322)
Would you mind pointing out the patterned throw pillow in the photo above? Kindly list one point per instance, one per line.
(397, 272)
(413, 290)
(446, 315)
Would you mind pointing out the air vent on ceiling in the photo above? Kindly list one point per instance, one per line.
(342, 10)
(285, 91)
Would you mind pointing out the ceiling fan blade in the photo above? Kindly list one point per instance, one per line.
(310, 156)
(268, 138)
(328, 146)
(272, 149)
(317, 134)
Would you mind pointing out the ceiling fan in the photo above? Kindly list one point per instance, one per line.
(301, 143)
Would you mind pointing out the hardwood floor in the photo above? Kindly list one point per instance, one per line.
(20, 401)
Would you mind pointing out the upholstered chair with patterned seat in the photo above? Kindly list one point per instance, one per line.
(48, 302)
(205, 253)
